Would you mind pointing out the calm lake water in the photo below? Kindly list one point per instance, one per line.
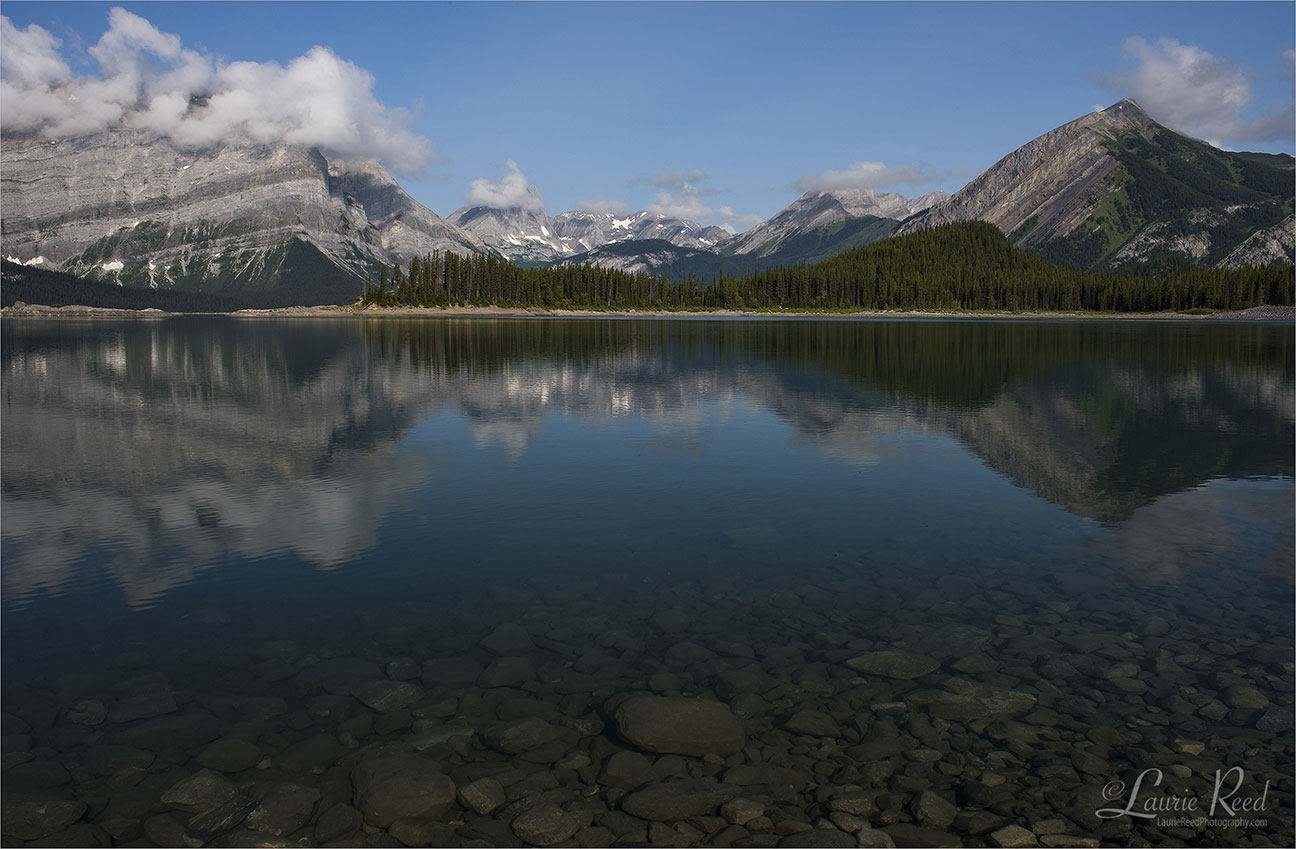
(952, 578)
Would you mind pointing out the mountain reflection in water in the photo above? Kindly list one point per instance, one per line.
(160, 450)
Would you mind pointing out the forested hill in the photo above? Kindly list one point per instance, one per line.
(967, 266)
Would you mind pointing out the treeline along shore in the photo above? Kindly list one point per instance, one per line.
(963, 267)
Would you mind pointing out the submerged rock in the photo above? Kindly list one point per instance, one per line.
(200, 792)
(207, 826)
(509, 639)
(284, 808)
(385, 696)
(545, 825)
(670, 801)
(229, 755)
(483, 795)
(523, 735)
(86, 712)
(679, 726)
(900, 665)
(816, 723)
(31, 818)
(142, 707)
(403, 786)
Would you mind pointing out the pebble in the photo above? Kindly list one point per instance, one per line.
(741, 811)
(545, 825)
(1012, 837)
(483, 795)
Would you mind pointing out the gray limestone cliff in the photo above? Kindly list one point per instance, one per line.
(137, 208)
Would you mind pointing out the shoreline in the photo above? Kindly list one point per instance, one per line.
(23, 310)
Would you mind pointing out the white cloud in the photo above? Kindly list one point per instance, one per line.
(673, 180)
(866, 175)
(30, 56)
(508, 192)
(1196, 92)
(736, 222)
(678, 194)
(149, 80)
(684, 203)
(612, 207)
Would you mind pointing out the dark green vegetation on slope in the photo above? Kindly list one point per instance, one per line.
(964, 266)
(292, 266)
(1181, 187)
(304, 275)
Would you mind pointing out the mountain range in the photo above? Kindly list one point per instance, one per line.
(1106, 190)
(528, 234)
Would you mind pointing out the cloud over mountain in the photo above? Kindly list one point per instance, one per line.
(678, 194)
(149, 80)
(1196, 92)
(512, 191)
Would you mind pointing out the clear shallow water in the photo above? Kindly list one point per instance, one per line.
(212, 508)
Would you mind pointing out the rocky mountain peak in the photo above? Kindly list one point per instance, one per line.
(1088, 193)
(139, 208)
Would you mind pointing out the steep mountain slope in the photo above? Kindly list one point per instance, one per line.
(528, 234)
(1114, 187)
(136, 208)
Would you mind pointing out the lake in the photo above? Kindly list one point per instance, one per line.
(477, 581)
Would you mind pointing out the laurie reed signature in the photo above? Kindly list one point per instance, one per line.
(1227, 797)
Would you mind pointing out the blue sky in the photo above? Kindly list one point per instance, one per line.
(726, 110)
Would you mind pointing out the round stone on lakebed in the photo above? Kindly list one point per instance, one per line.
(678, 726)
(402, 786)
(903, 666)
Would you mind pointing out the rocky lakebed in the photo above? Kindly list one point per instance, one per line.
(858, 704)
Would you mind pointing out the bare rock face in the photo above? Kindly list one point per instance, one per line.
(1059, 179)
(1273, 244)
(135, 207)
(818, 209)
